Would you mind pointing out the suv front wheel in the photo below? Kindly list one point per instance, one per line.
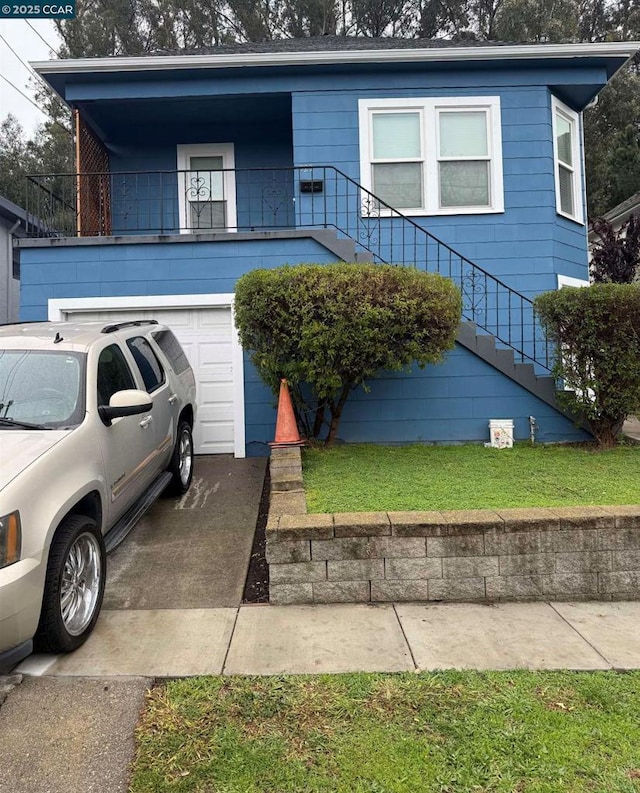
(74, 586)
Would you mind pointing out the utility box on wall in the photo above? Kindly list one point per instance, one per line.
(501, 433)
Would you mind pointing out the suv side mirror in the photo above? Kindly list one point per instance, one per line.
(125, 403)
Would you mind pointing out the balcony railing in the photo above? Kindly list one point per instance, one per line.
(174, 202)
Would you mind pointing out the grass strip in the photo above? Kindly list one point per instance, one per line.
(363, 478)
(446, 732)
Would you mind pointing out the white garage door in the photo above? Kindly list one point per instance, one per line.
(205, 333)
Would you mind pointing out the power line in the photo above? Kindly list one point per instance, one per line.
(24, 63)
(28, 98)
(42, 38)
(40, 80)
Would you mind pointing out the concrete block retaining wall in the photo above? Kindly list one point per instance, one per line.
(564, 553)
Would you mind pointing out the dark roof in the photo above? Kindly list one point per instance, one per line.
(12, 212)
(624, 209)
(330, 44)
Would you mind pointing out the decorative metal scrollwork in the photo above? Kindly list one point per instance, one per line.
(127, 198)
(198, 190)
(369, 222)
(276, 198)
(474, 294)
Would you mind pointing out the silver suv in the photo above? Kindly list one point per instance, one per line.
(95, 423)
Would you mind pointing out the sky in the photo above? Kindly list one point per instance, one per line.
(17, 34)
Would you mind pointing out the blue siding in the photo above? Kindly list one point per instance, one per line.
(150, 268)
(316, 123)
(449, 403)
(452, 402)
(237, 82)
(519, 246)
(322, 128)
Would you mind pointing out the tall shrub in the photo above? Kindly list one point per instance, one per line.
(333, 327)
(597, 332)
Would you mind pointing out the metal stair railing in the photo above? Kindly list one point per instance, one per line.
(315, 196)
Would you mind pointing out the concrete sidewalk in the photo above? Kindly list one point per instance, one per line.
(265, 640)
(68, 725)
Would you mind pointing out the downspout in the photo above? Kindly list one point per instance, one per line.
(9, 315)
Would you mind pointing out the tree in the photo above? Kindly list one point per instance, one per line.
(618, 109)
(309, 18)
(623, 163)
(597, 329)
(616, 258)
(377, 18)
(101, 28)
(333, 327)
(537, 20)
(16, 160)
(449, 18)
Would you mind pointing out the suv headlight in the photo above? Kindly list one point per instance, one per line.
(10, 539)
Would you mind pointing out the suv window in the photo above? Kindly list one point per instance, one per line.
(170, 346)
(145, 358)
(113, 374)
(42, 387)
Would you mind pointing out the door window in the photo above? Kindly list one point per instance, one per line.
(146, 361)
(113, 374)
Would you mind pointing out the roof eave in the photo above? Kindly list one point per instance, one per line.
(620, 49)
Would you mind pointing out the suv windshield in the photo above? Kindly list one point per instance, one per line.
(41, 387)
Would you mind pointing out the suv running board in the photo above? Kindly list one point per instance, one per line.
(117, 534)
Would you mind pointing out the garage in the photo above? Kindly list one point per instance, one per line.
(204, 326)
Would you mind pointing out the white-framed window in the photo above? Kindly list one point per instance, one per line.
(567, 160)
(206, 187)
(432, 156)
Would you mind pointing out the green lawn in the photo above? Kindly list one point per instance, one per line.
(449, 732)
(362, 478)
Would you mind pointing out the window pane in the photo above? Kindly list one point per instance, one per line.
(565, 180)
(205, 186)
(463, 134)
(205, 163)
(563, 133)
(399, 184)
(208, 215)
(113, 374)
(170, 346)
(396, 135)
(147, 363)
(464, 184)
(41, 387)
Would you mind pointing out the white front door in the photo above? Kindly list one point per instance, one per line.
(206, 187)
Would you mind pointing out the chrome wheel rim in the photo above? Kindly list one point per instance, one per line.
(80, 584)
(185, 457)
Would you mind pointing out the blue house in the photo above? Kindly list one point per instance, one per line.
(193, 168)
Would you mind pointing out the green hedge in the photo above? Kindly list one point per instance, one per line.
(597, 331)
(333, 327)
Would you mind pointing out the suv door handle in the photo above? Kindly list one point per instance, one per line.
(145, 422)
(173, 399)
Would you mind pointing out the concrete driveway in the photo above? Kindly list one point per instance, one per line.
(193, 552)
(175, 583)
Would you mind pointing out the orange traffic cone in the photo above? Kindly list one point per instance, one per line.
(286, 428)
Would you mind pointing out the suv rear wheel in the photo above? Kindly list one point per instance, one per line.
(74, 586)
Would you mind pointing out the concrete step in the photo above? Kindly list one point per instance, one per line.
(486, 347)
